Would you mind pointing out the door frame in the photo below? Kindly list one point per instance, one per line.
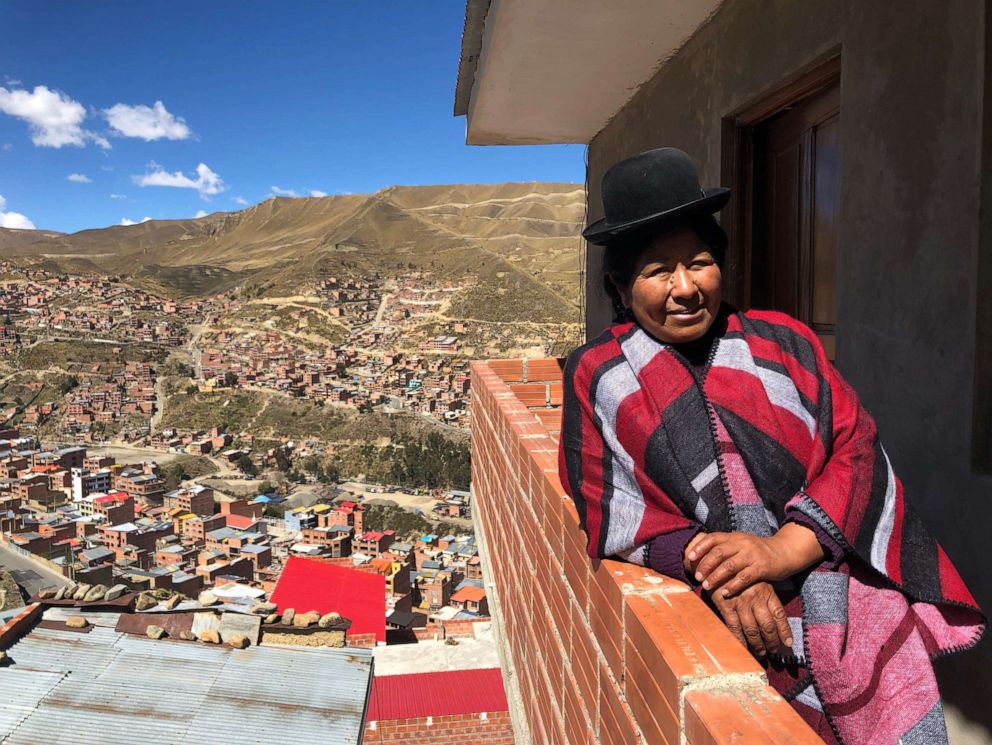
(737, 165)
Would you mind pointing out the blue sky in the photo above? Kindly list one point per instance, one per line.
(255, 98)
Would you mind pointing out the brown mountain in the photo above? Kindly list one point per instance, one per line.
(521, 239)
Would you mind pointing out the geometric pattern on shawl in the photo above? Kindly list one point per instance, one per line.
(640, 456)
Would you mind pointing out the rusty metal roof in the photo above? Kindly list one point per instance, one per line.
(105, 687)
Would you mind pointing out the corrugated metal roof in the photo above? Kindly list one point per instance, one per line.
(104, 687)
(437, 694)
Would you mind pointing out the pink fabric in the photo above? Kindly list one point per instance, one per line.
(878, 657)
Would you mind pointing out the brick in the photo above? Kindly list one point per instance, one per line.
(585, 667)
(560, 605)
(577, 721)
(577, 575)
(667, 647)
(713, 634)
(555, 394)
(617, 579)
(663, 637)
(528, 428)
(508, 370)
(654, 715)
(570, 517)
(607, 628)
(531, 394)
(616, 725)
(550, 419)
(752, 715)
(547, 369)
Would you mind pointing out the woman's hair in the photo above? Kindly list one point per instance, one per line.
(620, 259)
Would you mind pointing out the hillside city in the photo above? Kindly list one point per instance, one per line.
(93, 366)
(252, 430)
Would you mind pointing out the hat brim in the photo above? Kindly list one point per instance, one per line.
(601, 233)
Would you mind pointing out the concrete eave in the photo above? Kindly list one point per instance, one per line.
(556, 71)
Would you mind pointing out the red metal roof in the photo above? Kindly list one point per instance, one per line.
(241, 522)
(315, 585)
(436, 694)
(469, 592)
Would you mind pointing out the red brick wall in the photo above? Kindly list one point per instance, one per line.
(460, 729)
(452, 629)
(603, 651)
(360, 640)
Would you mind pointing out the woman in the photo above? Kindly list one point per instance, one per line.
(722, 448)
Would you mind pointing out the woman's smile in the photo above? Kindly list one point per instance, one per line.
(687, 316)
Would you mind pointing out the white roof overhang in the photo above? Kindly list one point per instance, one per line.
(556, 71)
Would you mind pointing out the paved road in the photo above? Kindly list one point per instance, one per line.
(29, 574)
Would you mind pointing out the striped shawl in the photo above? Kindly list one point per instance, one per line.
(772, 433)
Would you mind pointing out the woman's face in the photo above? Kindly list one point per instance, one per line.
(675, 293)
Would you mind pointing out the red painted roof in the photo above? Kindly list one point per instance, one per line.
(314, 585)
(469, 592)
(436, 694)
(241, 522)
(377, 535)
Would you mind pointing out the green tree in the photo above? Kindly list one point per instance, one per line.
(230, 379)
(68, 384)
(246, 466)
(283, 461)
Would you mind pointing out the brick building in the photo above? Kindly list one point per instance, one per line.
(196, 499)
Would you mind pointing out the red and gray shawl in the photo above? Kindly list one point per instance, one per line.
(769, 431)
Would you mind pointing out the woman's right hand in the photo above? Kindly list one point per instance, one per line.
(756, 617)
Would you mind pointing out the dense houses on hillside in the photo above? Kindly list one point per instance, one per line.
(101, 522)
(357, 342)
(379, 362)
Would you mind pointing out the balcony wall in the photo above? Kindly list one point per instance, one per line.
(595, 651)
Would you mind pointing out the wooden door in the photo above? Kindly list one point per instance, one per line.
(794, 197)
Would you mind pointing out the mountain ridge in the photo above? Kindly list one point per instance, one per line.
(516, 237)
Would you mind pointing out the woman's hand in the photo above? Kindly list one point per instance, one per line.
(756, 617)
(729, 563)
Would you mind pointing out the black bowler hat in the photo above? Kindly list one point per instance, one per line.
(649, 191)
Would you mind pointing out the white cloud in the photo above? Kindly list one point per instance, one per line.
(125, 221)
(7, 146)
(53, 118)
(118, 196)
(79, 178)
(278, 191)
(199, 214)
(147, 122)
(207, 183)
(13, 219)
(106, 168)
(239, 200)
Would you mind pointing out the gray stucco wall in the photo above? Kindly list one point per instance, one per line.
(911, 146)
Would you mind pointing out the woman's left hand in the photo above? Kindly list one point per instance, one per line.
(729, 563)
